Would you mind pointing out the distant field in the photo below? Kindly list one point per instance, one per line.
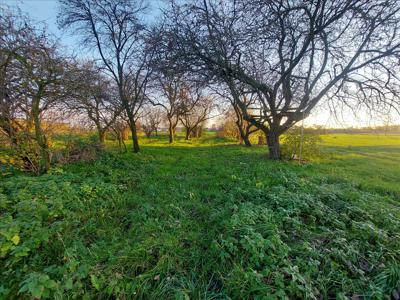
(359, 140)
(207, 219)
(371, 160)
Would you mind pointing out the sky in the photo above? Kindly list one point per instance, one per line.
(46, 11)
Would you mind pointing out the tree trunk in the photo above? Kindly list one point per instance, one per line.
(102, 135)
(244, 137)
(44, 162)
(147, 133)
(171, 131)
(187, 130)
(135, 139)
(273, 145)
(199, 131)
(119, 138)
(121, 143)
(246, 140)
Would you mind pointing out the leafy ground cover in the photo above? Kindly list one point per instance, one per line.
(206, 220)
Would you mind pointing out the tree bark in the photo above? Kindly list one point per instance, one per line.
(121, 143)
(135, 139)
(44, 162)
(102, 135)
(187, 135)
(171, 135)
(171, 131)
(273, 145)
(199, 131)
(246, 140)
(10, 131)
(243, 135)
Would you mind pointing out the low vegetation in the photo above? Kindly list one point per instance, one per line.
(205, 219)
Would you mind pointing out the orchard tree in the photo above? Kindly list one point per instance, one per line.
(11, 39)
(172, 94)
(32, 73)
(244, 127)
(194, 118)
(151, 120)
(95, 95)
(173, 85)
(292, 54)
(45, 69)
(116, 30)
(121, 131)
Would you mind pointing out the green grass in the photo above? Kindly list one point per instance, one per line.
(206, 219)
(372, 161)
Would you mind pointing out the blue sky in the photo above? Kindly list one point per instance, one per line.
(46, 11)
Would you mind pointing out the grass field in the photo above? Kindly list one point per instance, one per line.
(207, 220)
(373, 161)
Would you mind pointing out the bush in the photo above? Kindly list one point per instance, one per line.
(22, 156)
(294, 141)
(228, 130)
(80, 149)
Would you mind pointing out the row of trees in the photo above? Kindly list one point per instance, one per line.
(291, 55)
(276, 59)
(40, 86)
(272, 61)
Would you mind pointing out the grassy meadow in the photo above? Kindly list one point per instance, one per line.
(207, 219)
(370, 160)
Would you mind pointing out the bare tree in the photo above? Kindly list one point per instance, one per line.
(244, 127)
(44, 72)
(32, 75)
(115, 29)
(121, 131)
(173, 96)
(151, 120)
(95, 95)
(292, 54)
(194, 118)
(15, 33)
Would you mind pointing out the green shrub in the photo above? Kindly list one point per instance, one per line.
(295, 143)
(24, 156)
(80, 149)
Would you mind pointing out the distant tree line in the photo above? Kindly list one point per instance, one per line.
(390, 129)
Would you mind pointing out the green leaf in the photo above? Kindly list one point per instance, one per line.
(36, 290)
(50, 284)
(15, 239)
(95, 282)
(69, 285)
